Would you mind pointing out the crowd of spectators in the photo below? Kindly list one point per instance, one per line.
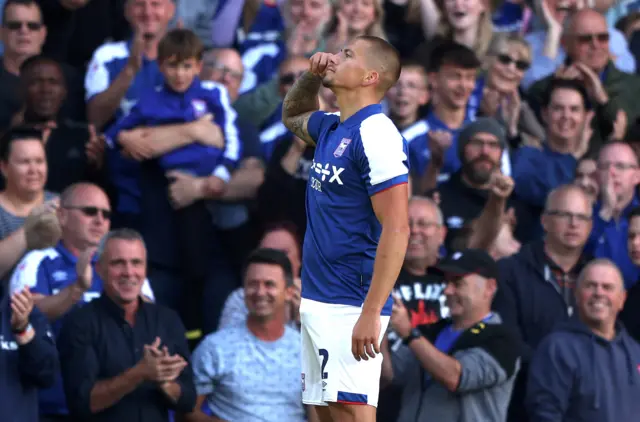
(152, 208)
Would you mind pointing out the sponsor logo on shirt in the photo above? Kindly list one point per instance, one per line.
(303, 384)
(325, 173)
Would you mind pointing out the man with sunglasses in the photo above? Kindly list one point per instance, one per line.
(586, 40)
(549, 51)
(62, 277)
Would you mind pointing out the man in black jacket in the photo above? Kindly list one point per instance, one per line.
(122, 356)
(536, 285)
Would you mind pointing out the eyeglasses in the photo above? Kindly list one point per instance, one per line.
(616, 165)
(18, 25)
(507, 60)
(224, 70)
(566, 215)
(92, 211)
(289, 78)
(601, 37)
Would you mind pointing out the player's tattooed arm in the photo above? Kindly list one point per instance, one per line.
(301, 101)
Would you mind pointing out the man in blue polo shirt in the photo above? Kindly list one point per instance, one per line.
(64, 276)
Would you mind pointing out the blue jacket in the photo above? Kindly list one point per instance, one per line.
(537, 172)
(608, 239)
(24, 369)
(576, 376)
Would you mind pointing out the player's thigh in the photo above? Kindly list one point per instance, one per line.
(341, 412)
(319, 414)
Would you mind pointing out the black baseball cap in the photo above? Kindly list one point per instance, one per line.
(469, 261)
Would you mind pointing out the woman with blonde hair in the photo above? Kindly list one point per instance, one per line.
(466, 22)
(508, 58)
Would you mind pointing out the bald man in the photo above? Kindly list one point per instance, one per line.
(586, 39)
(224, 65)
(618, 176)
(587, 370)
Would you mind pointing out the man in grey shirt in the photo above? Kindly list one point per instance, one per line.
(461, 368)
(251, 372)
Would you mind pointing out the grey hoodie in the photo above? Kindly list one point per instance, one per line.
(489, 364)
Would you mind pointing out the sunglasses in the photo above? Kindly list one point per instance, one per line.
(601, 37)
(507, 60)
(93, 211)
(289, 78)
(17, 25)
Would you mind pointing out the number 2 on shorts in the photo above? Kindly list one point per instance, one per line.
(324, 353)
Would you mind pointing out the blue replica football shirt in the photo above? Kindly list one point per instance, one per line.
(353, 161)
(160, 105)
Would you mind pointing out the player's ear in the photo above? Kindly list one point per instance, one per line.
(372, 77)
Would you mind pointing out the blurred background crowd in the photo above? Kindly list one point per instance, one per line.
(522, 120)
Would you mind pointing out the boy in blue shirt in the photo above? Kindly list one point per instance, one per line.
(185, 98)
(180, 240)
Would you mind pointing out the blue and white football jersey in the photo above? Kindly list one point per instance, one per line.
(353, 161)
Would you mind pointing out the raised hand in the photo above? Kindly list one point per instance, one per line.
(501, 185)
(95, 147)
(585, 139)
(400, 321)
(84, 269)
(158, 366)
(136, 53)
(320, 62)
(21, 307)
(439, 143)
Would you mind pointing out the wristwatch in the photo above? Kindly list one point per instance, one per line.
(413, 334)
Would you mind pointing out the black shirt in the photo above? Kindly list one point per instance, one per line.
(12, 96)
(96, 343)
(282, 195)
(423, 296)
(461, 203)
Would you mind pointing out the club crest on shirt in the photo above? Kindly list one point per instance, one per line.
(199, 107)
(343, 146)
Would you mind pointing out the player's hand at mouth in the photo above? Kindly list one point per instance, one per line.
(364, 339)
(320, 62)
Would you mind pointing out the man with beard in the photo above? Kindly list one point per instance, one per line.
(463, 197)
